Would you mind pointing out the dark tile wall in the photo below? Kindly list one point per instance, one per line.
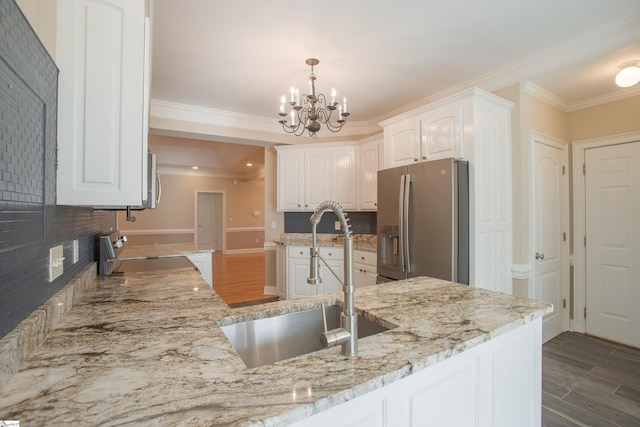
(298, 222)
(30, 222)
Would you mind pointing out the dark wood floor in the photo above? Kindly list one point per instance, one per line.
(585, 381)
(589, 382)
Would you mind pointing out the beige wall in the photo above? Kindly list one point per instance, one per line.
(42, 14)
(613, 118)
(176, 211)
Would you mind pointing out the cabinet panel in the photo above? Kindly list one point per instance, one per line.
(291, 180)
(369, 163)
(101, 137)
(402, 143)
(317, 180)
(344, 177)
(204, 263)
(281, 271)
(442, 133)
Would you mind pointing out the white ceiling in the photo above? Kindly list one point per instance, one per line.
(240, 56)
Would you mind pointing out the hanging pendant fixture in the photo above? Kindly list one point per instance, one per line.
(311, 111)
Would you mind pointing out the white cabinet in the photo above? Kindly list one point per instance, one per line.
(365, 271)
(498, 383)
(344, 176)
(401, 141)
(102, 54)
(281, 276)
(313, 173)
(369, 163)
(293, 273)
(303, 179)
(474, 125)
(203, 261)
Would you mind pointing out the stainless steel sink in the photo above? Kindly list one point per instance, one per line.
(265, 341)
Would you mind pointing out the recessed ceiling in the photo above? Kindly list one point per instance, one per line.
(241, 56)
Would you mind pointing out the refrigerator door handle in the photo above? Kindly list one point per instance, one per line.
(405, 221)
(401, 214)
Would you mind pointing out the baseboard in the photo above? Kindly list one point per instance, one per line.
(270, 290)
(244, 251)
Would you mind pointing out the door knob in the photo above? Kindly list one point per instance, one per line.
(539, 256)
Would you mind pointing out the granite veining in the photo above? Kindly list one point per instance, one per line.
(147, 349)
(363, 242)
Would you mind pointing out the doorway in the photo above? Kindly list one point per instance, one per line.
(210, 219)
(607, 237)
(550, 230)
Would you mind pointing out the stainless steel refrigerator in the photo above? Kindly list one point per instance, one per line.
(423, 221)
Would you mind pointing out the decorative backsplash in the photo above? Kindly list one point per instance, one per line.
(30, 221)
(361, 222)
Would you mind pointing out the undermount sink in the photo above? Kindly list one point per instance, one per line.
(265, 341)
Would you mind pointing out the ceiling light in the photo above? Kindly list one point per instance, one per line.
(310, 111)
(629, 74)
(249, 164)
(194, 167)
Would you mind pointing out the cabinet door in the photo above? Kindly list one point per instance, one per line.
(317, 180)
(402, 143)
(298, 272)
(281, 271)
(368, 175)
(344, 176)
(290, 180)
(442, 132)
(101, 136)
(334, 257)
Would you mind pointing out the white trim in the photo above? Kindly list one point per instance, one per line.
(244, 229)
(521, 271)
(579, 220)
(244, 251)
(269, 246)
(270, 290)
(160, 231)
(544, 96)
(210, 116)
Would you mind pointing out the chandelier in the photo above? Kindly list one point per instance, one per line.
(311, 111)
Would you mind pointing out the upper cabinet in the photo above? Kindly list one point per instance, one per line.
(103, 57)
(370, 159)
(429, 133)
(309, 174)
(476, 126)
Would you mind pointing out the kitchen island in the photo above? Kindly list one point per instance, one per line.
(147, 349)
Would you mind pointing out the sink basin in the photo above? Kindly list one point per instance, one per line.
(265, 341)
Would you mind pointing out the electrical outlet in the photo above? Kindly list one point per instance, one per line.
(76, 251)
(337, 225)
(274, 225)
(56, 262)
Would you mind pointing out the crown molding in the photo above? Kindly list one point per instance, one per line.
(210, 116)
(543, 95)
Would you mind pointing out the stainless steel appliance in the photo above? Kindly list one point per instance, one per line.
(423, 221)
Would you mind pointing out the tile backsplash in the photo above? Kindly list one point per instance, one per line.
(30, 221)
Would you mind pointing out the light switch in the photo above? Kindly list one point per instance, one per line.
(76, 251)
(337, 225)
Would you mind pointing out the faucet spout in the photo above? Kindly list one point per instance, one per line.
(347, 334)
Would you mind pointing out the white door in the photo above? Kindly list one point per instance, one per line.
(551, 228)
(612, 204)
(210, 219)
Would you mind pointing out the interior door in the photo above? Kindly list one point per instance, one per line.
(612, 204)
(551, 227)
(210, 219)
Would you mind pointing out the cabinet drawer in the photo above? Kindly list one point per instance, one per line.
(365, 257)
(298, 251)
(331, 252)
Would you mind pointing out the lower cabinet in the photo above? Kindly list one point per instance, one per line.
(297, 268)
(203, 261)
(497, 383)
(365, 270)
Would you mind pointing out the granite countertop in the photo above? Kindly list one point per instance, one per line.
(146, 349)
(163, 250)
(363, 242)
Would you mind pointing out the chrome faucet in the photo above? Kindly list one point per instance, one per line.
(347, 334)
